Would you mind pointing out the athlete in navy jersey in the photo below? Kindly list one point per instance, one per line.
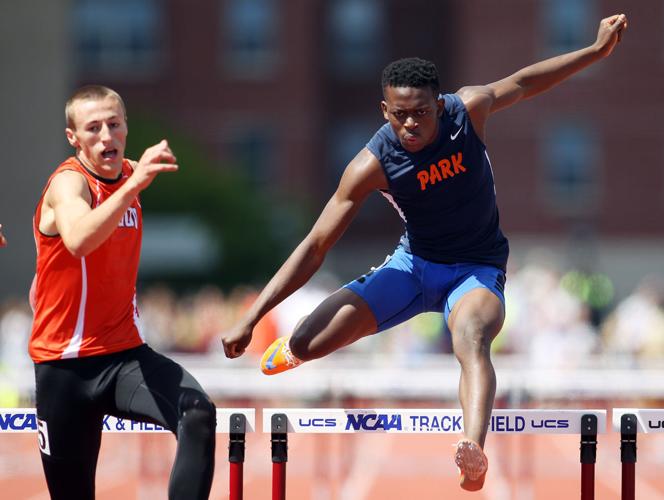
(444, 192)
(430, 160)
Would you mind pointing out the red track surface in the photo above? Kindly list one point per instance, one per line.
(353, 467)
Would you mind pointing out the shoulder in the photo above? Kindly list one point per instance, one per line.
(475, 97)
(478, 101)
(68, 184)
(453, 103)
(363, 174)
(68, 177)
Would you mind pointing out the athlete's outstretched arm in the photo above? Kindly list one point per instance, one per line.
(362, 176)
(83, 228)
(483, 100)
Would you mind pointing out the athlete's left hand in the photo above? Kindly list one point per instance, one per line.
(610, 33)
(236, 341)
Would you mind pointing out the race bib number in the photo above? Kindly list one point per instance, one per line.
(42, 436)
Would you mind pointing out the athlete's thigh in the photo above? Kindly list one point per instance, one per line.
(339, 320)
(372, 303)
(70, 423)
(70, 420)
(393, 291)
(151, 387)
(477, 303)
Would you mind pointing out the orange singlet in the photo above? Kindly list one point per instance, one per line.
(87, 306)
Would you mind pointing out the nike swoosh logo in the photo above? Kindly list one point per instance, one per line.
(454, 136)
(269, 363)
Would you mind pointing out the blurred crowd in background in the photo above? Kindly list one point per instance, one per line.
(554, 319)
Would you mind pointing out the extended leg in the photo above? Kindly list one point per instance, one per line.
(475, 320)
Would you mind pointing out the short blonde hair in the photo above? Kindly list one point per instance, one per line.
(93, 92)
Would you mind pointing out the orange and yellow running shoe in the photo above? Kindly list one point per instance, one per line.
(472, 463)
(278, 357)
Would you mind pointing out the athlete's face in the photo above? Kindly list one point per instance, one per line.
(99, 134)
(413, 114)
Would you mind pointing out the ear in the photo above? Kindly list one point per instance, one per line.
(383, 107)
(71, 137)
(440, 105)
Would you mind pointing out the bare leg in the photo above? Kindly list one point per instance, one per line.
(339, 320)
(474, 322)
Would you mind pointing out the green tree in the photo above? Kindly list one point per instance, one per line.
(254, 235)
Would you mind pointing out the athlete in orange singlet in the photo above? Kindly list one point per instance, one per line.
(90, 357)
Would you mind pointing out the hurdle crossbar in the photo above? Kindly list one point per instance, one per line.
(429, 421)
(25, 420)
(232, 421)
(586, 423)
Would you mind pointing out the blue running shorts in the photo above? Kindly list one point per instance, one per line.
(406, 285)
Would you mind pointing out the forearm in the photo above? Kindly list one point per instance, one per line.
(89, 231)
(305, 260)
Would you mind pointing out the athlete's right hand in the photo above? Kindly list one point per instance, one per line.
(236, 340)
(156, 159)
(3, 240)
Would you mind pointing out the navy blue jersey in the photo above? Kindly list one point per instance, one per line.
(445, 193)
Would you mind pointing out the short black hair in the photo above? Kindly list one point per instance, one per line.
(411, 72)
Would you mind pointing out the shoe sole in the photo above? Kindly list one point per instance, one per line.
(471, 460)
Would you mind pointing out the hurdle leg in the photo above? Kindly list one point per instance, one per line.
(279, 455)
(236, 447)
(588, 456)
(628, 454)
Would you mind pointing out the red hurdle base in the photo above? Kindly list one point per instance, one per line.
(587, 481)
(588, 456)
(279, 426)
(236, 480)
(628, 478)
(236, 448)
(279, 481)
(628, 455)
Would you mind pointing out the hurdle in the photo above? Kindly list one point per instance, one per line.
(629, 422)
(281, 421)
(235, 422)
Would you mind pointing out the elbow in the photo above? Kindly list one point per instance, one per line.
(315, 252)
(78, 249)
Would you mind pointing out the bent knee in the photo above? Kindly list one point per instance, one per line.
(300, 344)
(197, 413)
(474, 337)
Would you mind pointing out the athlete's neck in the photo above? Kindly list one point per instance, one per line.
(106, 172)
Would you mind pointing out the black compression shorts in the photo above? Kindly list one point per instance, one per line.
(73, 395)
